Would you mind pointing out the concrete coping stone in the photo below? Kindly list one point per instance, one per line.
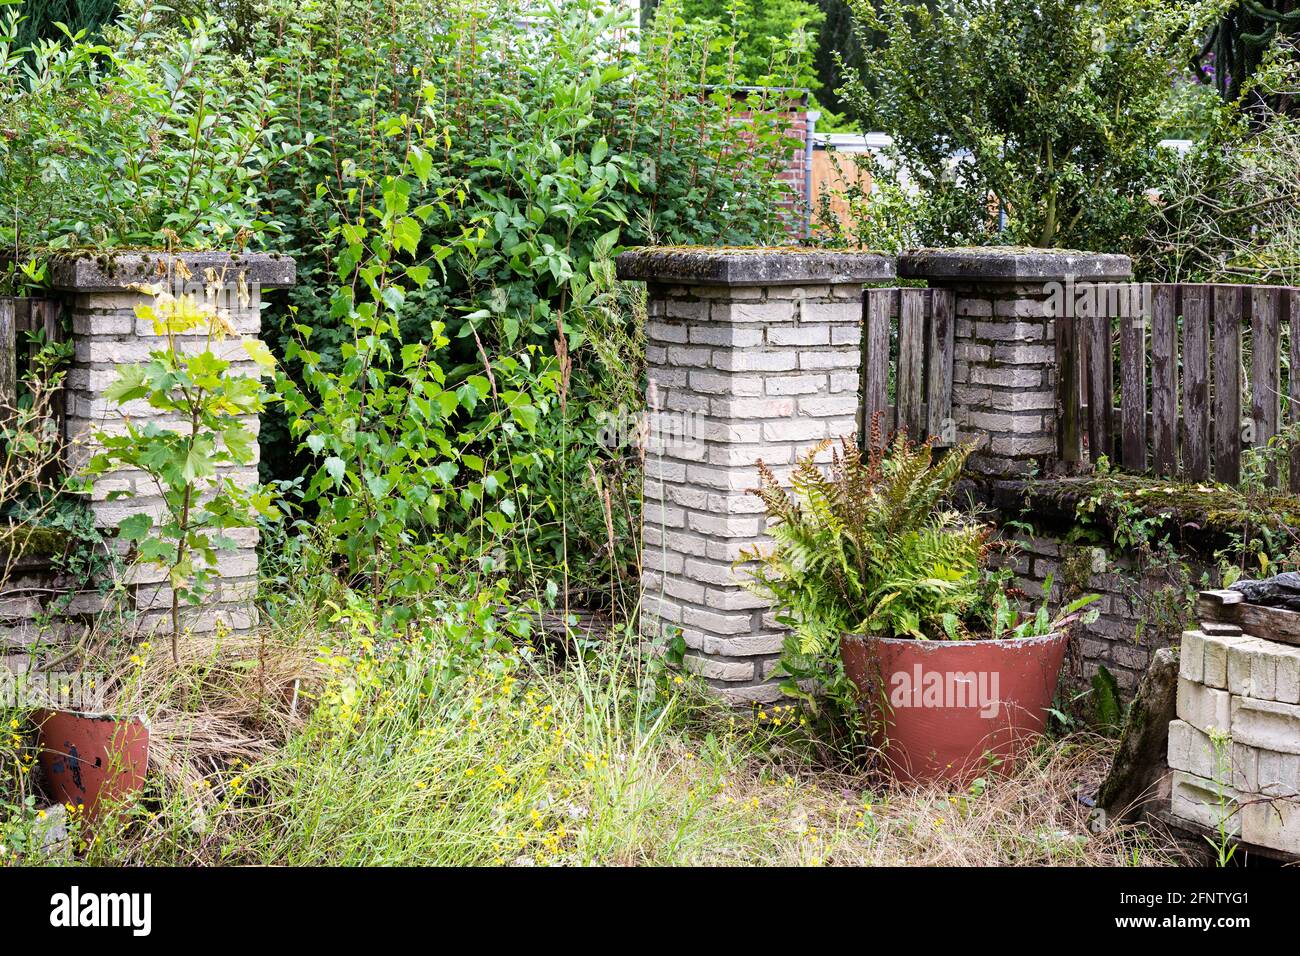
(779, 265)
(1013, 264)
(115, 271)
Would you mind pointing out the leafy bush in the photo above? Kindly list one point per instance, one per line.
(1021, 121)
(152, 137)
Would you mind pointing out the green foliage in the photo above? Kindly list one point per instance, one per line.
(149, 137)
(205, 409)
(1230, 211)
(1024, 122)
(559, 146)
(1108, 707)
(770, 42)
(42, 18)
(1239, 45)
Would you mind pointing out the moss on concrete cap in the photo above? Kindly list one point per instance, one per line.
(115, 271)
(720, 265)
(1014, 264)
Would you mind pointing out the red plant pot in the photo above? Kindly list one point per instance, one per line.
(89, 758)
(953, 710)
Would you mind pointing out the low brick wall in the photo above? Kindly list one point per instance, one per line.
(1140, 609)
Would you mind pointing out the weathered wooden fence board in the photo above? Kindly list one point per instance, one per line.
(1164, 378)
(875, 357)
(925, 329)
(1265, 366)
(1133, 391)
(939, 367)
(1069, 362)
(1228, 315)
(1100, 393)
(1196, 304)
(910, 394)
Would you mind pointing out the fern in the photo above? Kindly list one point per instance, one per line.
(867, 545)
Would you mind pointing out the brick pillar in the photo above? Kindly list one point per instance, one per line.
(1004, 360)
(106, 335)
(750, 354)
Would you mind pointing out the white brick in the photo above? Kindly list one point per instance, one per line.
(747, 312)
(1275, 824)
(719, 670)
(1204, 707)
(1215, 670)
(736, 337)
(829, 359)
(730, 526)
(733, 599)
(1266, 724)
(720, 383)
(1205, 802)
(1276, 775)
(756, 360)
(795, 429)
(797, 384)
(1194, 752)
(829, 405)
(750, 645)
(799, 335)
(1191, 656)
(830, 311)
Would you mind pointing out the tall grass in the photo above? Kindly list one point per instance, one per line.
(341, 748)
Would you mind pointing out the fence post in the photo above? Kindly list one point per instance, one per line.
(1006, 367)
(750, 354)
(102, 295)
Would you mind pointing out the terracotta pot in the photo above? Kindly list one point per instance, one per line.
(953, 710)
(89, 758)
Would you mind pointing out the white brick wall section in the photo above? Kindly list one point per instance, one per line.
(107, 334)
(1206, 802)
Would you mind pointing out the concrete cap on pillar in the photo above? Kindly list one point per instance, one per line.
(721, 265)
(116, 271)
(1013, 264)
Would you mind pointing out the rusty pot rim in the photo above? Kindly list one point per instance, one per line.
(988, 642)
(48, 712)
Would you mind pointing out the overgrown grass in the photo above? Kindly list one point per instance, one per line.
(337, 748)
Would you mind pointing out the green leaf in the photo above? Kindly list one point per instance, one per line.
(135, 527)
(336, 469)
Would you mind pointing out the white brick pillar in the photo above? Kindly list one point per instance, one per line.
(107, 335)
(1004, 358)
(751, 354)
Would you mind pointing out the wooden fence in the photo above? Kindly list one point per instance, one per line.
(921, 354)
(19, 318)
(1162, 388)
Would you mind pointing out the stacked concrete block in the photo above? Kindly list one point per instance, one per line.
(1237, 737)
(1006, 303)
(103, 293)
(751, 355)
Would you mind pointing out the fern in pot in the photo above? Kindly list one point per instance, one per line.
(896, 614)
